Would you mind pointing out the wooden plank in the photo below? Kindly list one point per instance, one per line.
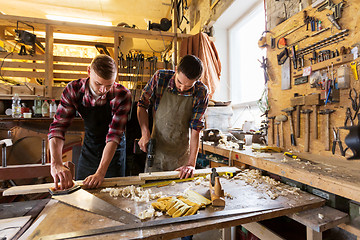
(351, 229)
(71, 76)
(22, 57)
(67, 42)
(312, 218)
(30, 65)
(88, 29)
(72, 59)
(49, 60)
(322, 65)
(24, 171)
(67, 67)
(313, 235)
(41, 188)
(116, 52)
(331, 174)
(261, 232)
(176, 174)
(27, 74)
(11, 226)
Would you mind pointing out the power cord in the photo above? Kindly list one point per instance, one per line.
(2, 64)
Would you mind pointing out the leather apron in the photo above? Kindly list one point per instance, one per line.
(96, 122)
(171, 131)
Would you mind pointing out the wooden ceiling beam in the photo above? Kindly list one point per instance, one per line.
(88, 29)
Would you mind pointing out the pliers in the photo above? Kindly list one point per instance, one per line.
(355, 103)
(349, 117)
(337, 140)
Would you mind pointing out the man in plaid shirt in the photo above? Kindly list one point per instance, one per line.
(180, 101)
(104, 106)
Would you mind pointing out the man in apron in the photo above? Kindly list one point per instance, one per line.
(104, 105)
(179, 101)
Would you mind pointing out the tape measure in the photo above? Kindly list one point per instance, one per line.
(288, 154)
(353, 66)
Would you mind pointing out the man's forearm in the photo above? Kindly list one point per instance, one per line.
(107, 156)
(143, 118)
(194, 147)
(56, 146)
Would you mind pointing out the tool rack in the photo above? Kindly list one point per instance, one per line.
(281, 99)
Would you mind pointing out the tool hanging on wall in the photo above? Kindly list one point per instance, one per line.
(281, 119)
(353, 66)
(338, 141)
(292, 135)
(327, 113)
(307, 129)
(262, 42)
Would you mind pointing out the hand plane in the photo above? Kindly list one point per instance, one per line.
(216, 192)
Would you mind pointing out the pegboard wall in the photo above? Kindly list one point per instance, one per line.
(325, 66)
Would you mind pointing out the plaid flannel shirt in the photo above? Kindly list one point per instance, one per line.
(165, 79)
(120, 103)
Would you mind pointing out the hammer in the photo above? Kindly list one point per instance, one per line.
(272, 129)
(307, 129)
(314, 100)
(297, 101)
(277, 135)
(327, 126)
(289, 113)
(281, 119)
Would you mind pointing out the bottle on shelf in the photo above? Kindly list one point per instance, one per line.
(53, 108)
(37, 107)
(16, 106)
(45, 109)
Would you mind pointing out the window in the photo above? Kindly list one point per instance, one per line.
(246, 76)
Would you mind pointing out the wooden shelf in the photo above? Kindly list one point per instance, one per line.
(321, 65)
(88, 29)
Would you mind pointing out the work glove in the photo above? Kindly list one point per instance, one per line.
(176, 207)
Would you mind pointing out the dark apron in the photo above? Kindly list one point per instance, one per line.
(96, 121)
(171, 130)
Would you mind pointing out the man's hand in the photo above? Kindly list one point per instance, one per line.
(186, 171)
(144, 140)
(94, 181)
(61, 173)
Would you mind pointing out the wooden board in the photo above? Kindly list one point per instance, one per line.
(176, 174)
(310, 218)
(280, 99)
(244, 196)
(41, 188)
(332, 174)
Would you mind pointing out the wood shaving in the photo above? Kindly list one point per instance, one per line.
(128, 210)
(265, 184)
(228, 195)
(137, 194)
(148, 213)
(321, 216)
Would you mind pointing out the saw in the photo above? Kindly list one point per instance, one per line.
(79, 198)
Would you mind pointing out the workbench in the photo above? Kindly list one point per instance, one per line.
(58, 218)
(332, 174)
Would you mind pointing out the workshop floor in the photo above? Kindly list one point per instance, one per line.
(209, 235)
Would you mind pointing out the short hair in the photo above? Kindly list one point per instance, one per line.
(104, 66)
(191, 67)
